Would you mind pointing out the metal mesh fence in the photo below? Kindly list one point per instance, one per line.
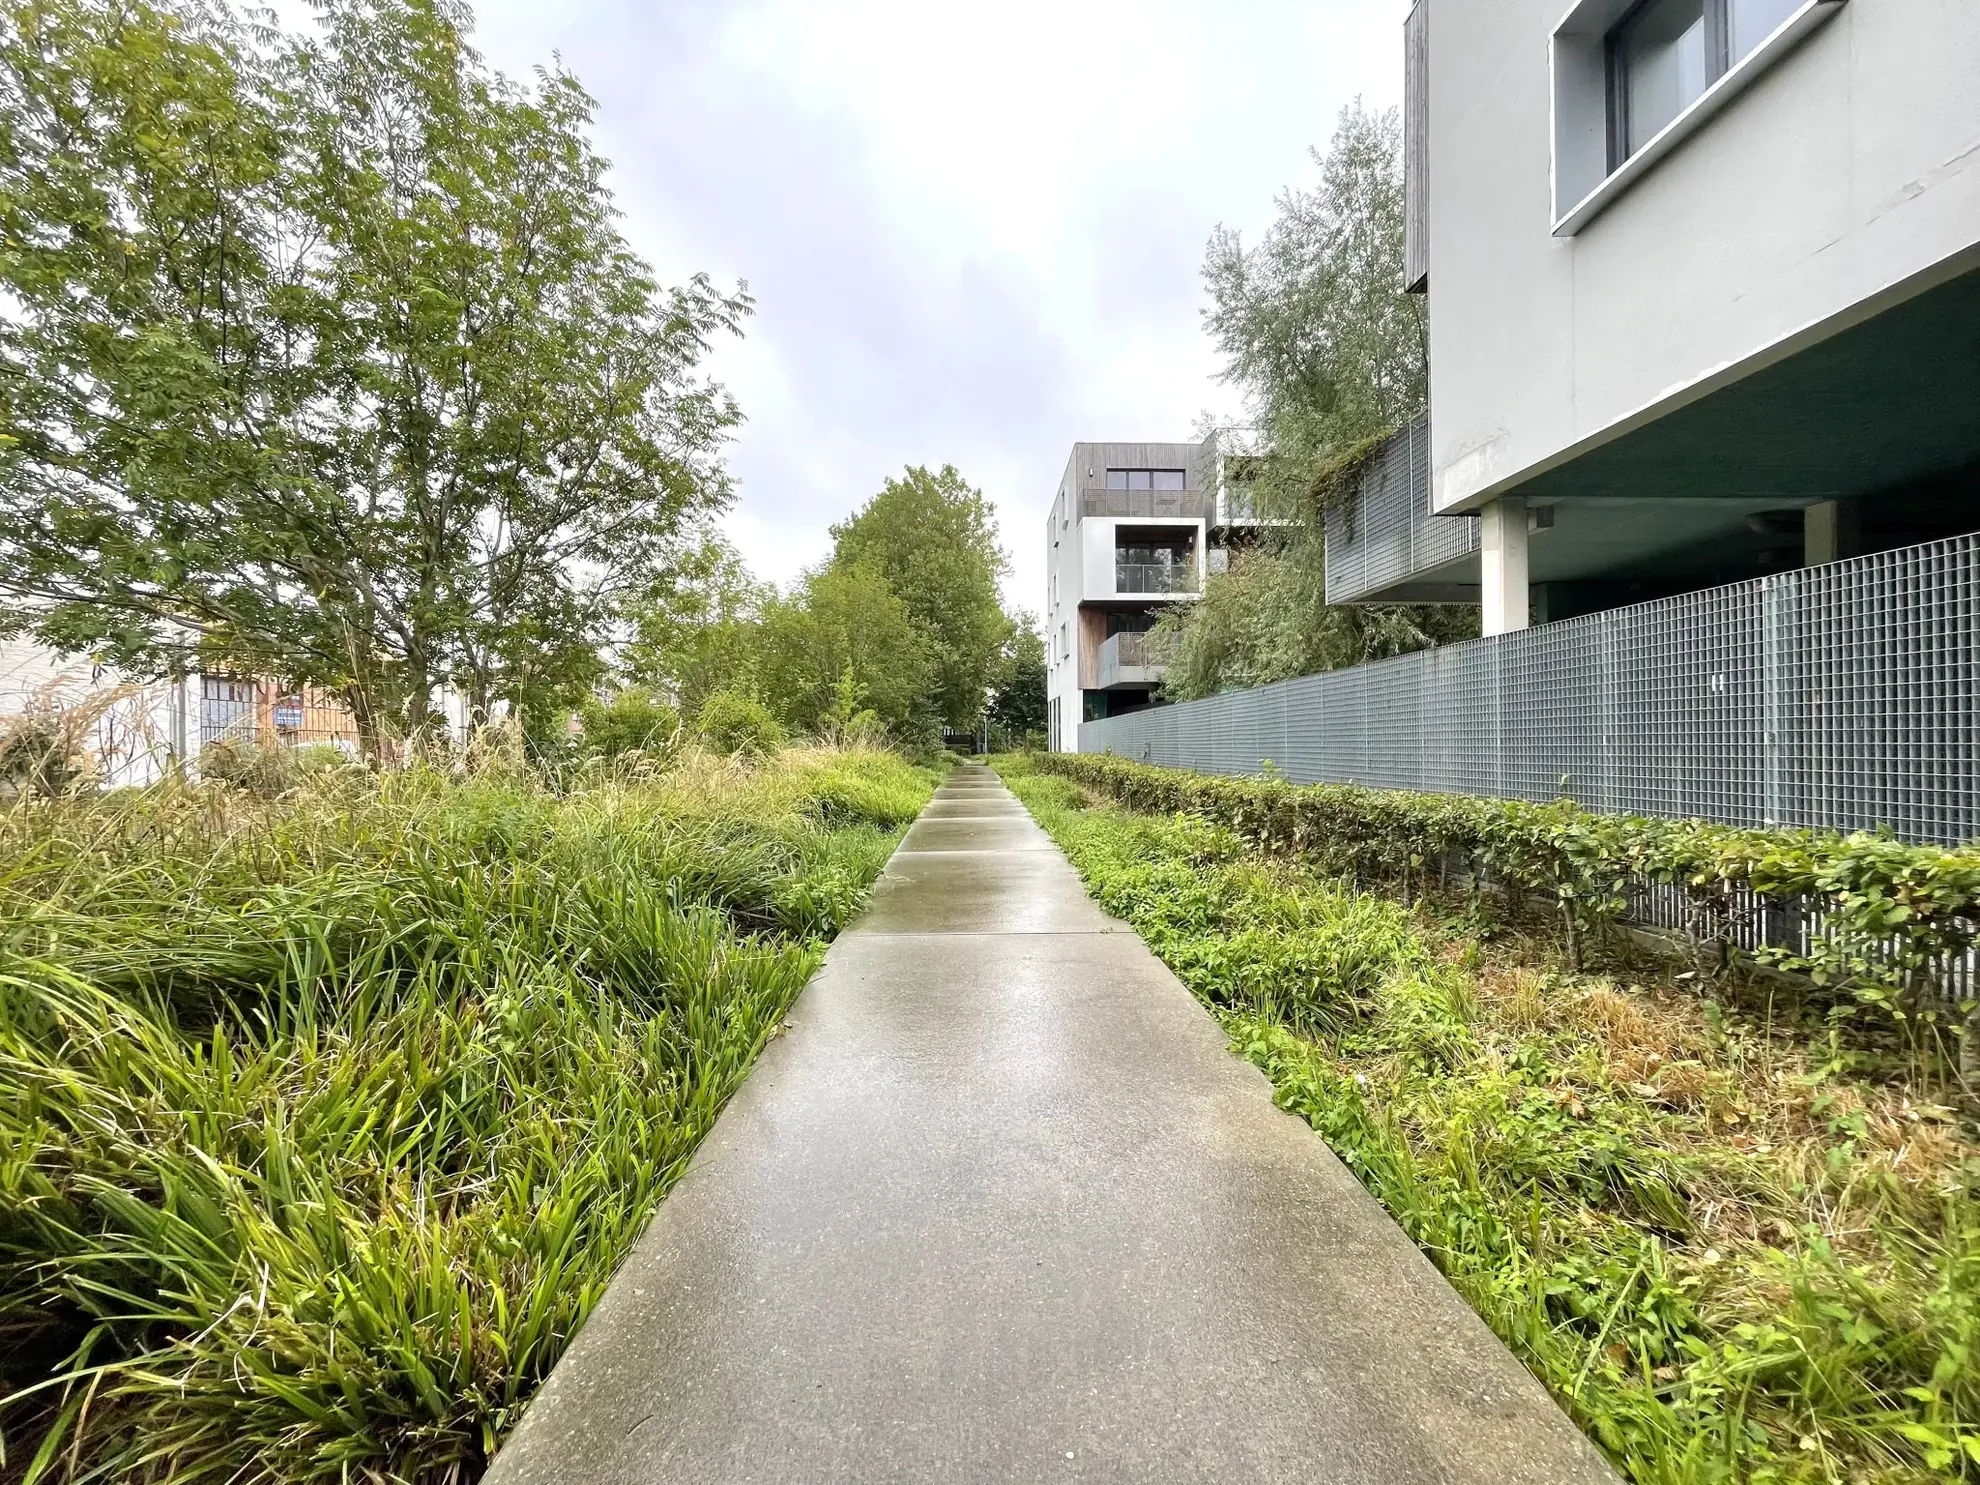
(1845, 696)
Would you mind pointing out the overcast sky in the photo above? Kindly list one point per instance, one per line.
(973, 233)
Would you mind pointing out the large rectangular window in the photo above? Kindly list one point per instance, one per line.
(1664, 54)
(1145, 479)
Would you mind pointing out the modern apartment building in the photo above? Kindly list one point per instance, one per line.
(1134, 529)
(1704, 292)
(1704, 428)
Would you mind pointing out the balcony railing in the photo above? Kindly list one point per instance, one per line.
(1125, 660)
(1130, 649)
(1155, 577)
(1186, 504)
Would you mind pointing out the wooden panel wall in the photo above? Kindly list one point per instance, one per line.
(1416, 149)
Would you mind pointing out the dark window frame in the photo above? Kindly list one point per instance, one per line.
(1718, 62)
(1149, 486)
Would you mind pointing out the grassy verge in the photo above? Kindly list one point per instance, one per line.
(324, 1120)
(1733, 1248)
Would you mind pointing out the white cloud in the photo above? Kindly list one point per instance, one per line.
(974, 232)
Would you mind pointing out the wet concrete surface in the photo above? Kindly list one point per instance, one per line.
(1001, 1206)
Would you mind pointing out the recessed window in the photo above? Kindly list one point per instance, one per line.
(1658, 57)
(1631, 81)
(1666, 53)
(1145, 479)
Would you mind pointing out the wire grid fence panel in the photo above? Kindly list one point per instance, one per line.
(1340, 736)
(1193, 729)
(1392, 725)
(1879, 662)
(1550, 722)
(1270, 738)
(1243, 735)
(1233, 731)
(1155, 742)
(1461, 717)
(1690, 699)
(1842, 697)
(1199, 734)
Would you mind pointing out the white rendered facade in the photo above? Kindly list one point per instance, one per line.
(1761, 312)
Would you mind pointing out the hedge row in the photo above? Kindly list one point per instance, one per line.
(1890, 923)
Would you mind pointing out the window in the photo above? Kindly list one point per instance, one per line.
(1666, 53)
(1145, 479)
(1632, 81)
(1657, 66)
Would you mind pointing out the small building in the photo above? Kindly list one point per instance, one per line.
(1134, 529)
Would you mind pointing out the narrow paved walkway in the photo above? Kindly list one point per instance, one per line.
(1001, 1207)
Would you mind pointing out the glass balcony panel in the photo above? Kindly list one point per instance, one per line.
(1155, 577)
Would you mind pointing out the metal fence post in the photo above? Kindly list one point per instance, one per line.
(1770, 697)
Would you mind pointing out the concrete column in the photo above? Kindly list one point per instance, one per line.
(1830, 532)
(1502, 566)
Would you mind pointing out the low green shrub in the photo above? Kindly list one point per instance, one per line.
(324, 1119)
(735, 724)
(1893, 918)
(633, 721)
(1729, 1257)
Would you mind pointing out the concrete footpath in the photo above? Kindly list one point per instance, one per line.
(1000, 1206)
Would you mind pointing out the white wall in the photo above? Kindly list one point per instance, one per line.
(1848, 171)
(134, 730)
(1063, 569)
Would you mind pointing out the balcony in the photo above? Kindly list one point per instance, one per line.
(1161, 504)
(1125, 662)
(1156, 577)
(1384, 545)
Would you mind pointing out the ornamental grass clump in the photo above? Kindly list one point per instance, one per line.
(326, 1118)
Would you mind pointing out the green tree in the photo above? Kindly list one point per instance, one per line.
(634, 720)
(842, 642)
(933, 538)
(1267, 619)
(323, 355)
(695, 626)
(1331, 355)
(1313, 323)
(1017, 706)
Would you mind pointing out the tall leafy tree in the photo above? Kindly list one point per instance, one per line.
(695, 627)
(1313, 323)
(1267, 619)
(933, 537)
(1330, 355)
(1018, 702)
(843, 642)
(324, 355)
